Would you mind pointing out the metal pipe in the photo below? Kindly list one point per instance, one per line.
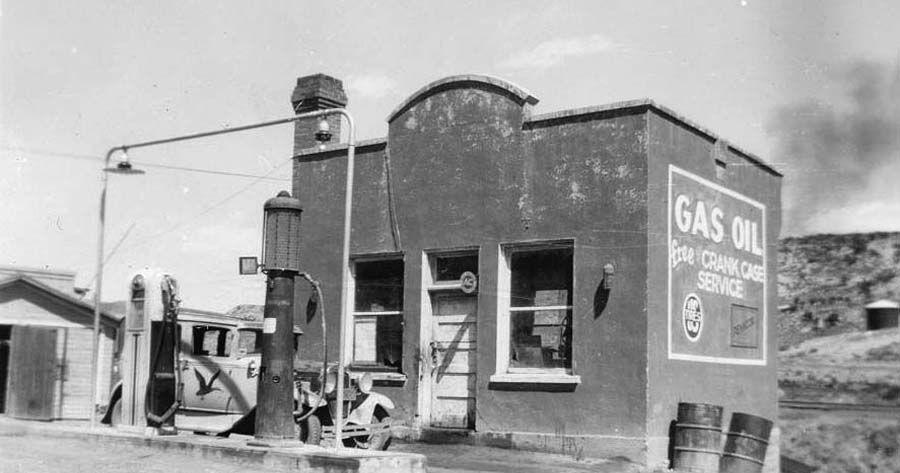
(95, 348)
(95, 351)
(345, 282)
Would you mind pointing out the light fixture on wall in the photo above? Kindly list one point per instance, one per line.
(608, 273)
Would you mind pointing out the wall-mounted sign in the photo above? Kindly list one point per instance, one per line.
(716, 273)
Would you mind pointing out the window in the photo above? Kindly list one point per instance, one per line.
(211, 341)
(535, 312)
(136, 321)
(378, 313)
(450, 268)
(250, 341)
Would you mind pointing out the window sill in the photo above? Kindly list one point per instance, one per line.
(536, 378)
(381, 376)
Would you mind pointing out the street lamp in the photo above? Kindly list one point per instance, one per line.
(123, 167)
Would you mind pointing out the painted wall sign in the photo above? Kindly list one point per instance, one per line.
(716, 272)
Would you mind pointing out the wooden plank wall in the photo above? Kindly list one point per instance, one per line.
(71, 393)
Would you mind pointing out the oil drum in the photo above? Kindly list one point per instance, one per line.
(698, 438)
(746, 443)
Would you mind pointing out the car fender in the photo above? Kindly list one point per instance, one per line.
(311, 400)
(363, 413)
(114, 395)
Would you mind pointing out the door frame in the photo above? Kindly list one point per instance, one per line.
(426, 318)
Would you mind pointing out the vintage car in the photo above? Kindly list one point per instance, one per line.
(218, 365)
(368, 423)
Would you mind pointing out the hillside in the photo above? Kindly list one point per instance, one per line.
(825, 280)
(861, 367)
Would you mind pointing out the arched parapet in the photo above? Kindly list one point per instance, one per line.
(481, 81)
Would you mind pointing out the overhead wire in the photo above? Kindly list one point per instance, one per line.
(179, 224)
(208, 209)
(50, 153)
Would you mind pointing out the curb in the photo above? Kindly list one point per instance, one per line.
(305, 458)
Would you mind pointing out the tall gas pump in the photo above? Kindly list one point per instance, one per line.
(149, 354)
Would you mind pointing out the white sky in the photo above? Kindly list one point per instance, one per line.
(80, 77)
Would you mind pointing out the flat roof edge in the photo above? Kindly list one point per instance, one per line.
(340, 146)
(653, 105)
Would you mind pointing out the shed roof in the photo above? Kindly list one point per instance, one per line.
(60, 296)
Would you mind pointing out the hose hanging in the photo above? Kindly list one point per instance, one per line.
(321, 303)
(170, 317)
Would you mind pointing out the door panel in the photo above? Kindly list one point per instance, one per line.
(454, 333)
(204, 383)
(32, 372)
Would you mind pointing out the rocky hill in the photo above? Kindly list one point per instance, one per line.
(825, 280)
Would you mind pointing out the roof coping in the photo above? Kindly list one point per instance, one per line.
(340, 146)
(521, 94)
(652, 104)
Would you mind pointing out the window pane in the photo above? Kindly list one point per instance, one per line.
(541, 278)
(379, 286)
(250, 341)
(137, 310)
(364, 330)
(389, 339)
(540, 339)
(212, 341)
(450, 268)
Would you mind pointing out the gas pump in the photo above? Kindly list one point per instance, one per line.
(150, 388)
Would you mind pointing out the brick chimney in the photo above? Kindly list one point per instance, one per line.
(316, 92)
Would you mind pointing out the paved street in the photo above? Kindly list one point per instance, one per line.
(466, 459)
(31, 454)
(35, 454)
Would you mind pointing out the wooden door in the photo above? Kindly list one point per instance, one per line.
(453, 353)
(32, 372)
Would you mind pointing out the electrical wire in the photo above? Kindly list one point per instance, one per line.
(207, 210)
(87, 157)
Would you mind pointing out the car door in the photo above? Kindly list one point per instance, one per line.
(244, 370)
(205, 367)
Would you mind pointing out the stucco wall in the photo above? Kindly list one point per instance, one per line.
(470, 170)
(750, 389)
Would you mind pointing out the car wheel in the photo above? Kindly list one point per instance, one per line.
(311, 430)
(115, 418)
(380, 440)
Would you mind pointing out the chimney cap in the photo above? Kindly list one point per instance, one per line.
(316, 92)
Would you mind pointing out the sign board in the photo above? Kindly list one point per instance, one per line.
(716, 273)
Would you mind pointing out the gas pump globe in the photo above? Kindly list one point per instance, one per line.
(148, 353)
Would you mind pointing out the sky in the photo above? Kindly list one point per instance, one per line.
(809, 86)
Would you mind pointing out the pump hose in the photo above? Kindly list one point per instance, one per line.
(321, 299)
(169, 317)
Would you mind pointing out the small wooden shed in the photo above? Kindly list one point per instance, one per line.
(45, 346)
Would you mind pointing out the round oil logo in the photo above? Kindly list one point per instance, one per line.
(692, 317)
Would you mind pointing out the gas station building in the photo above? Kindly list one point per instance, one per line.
(554, 282)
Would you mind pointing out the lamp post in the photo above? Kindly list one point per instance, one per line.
(125, 168)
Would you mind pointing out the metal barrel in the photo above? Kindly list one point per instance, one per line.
(746, 443)
(697, 444)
